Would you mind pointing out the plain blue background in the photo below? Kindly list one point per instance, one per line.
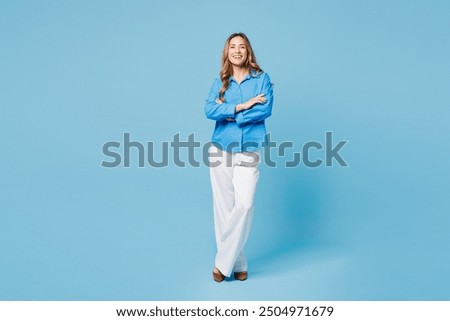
(76, 74)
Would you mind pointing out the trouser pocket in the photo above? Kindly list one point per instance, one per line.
(249, 159)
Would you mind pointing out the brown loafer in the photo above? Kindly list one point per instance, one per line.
(241, 276)
(218, 276)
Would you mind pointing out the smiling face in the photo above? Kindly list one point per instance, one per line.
(237, 51)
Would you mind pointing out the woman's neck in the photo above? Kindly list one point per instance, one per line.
(239, 73)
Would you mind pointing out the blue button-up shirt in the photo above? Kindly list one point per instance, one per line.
(245, 130)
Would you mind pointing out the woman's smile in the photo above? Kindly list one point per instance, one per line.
(237, 51)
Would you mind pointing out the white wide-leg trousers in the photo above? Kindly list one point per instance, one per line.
(233, 179)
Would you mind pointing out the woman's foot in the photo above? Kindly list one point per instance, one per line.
(241, 276)
(217, 275)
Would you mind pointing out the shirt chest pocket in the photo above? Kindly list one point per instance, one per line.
(233, 96)
(249, 90)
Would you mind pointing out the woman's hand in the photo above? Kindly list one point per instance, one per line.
(259, 99)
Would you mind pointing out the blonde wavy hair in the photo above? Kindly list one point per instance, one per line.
(227, 68)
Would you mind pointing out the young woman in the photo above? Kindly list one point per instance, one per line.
(239, 102)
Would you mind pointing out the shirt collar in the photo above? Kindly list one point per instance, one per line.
(252, 74)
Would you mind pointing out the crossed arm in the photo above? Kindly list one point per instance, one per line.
(255, 109)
